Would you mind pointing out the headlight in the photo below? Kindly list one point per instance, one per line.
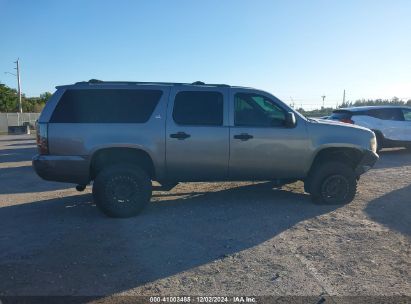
(373, 144)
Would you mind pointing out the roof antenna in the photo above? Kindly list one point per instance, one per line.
(198, 83)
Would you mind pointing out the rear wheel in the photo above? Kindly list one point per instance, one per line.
(122, 190)
(380, 140)
(332, 183)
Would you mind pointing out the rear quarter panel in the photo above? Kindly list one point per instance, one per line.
(369, 122)
(84, 139)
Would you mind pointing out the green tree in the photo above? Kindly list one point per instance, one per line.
(8, 99)
(45, 96)
(358, 103)
(35, 104)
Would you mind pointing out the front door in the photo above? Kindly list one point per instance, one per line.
(197, 135)
(261, 146)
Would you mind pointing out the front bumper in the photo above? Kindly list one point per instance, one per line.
(67, 169)
(367, 162)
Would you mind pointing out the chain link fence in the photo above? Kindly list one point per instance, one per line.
(17, 119)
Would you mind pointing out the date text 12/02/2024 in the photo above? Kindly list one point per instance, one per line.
(202, 299)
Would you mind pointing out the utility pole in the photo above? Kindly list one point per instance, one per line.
(18, 82)
(344, 98)
(323, 97)
(18, 85)
(292, 102)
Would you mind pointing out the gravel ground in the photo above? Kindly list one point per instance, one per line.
(204, 238)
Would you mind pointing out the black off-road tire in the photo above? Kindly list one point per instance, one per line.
(122, 190)
(332, 183)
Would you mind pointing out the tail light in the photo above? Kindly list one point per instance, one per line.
(347, 120)
(42, 141)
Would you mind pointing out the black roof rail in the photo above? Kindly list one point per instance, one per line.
(219, 85)
(209, 84)
(97, 81)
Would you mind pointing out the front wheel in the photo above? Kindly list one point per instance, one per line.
(122, 190)
(332, 183)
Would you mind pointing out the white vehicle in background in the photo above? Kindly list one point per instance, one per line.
(391, 124)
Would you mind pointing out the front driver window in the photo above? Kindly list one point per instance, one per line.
(255, 110)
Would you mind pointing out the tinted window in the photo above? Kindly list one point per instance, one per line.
(106, 106)
(198, 108)
(338, 115)
(387, 114)
(256, 110)
(407, 114)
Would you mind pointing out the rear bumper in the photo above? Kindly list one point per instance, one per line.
(67, 169)
(367, 162)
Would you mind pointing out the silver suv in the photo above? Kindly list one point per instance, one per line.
(123, 135)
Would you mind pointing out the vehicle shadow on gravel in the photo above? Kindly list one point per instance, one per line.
(31, 144)
(65, 246)
(393, 210)
(390, 158)
(6, 138)
(17, 155)
(27, 181)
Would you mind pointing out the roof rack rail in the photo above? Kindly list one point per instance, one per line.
(95, 81)
(208, 84)
(98, 81)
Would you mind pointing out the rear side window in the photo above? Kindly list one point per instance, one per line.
(387, 114)
(198, 108)
(338, 115)
(106, 106)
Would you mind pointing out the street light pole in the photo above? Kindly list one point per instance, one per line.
(18, 85)
(323, 97)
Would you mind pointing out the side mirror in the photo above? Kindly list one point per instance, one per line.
(290, 120)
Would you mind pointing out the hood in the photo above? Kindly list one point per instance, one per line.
(338, 123)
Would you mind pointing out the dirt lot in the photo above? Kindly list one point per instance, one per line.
(204, 238)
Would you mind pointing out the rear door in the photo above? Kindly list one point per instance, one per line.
(393, 123)
(197, 135)
(406, 130)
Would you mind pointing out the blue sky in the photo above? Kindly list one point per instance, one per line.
(297, 50)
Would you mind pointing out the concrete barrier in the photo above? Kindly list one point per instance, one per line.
(17, 119)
